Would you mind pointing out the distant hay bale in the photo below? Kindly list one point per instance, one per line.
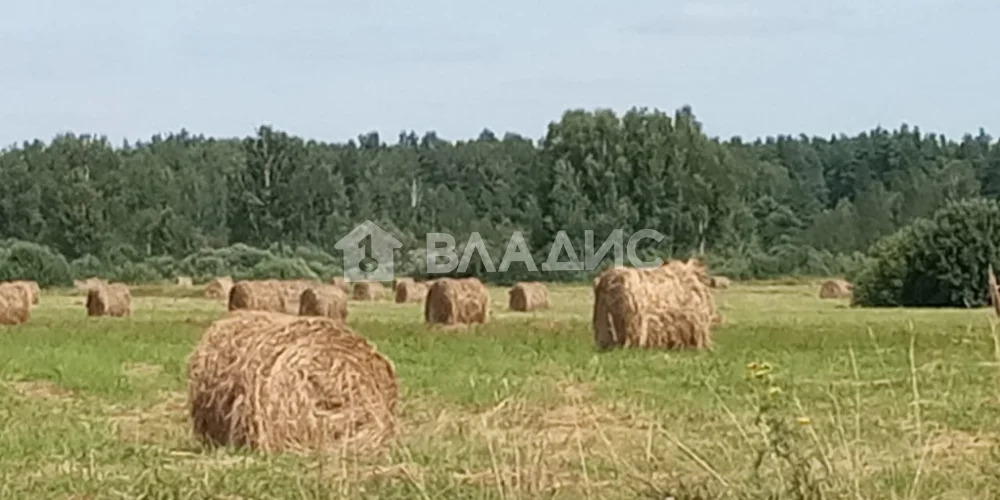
(720, 282)
(279, 383)
(410, 291)
(219, 288)
(325, 301)
(293, 291)
(457, 301)
(111, 299)
(669, 307)
(528, 296)
(15, 304)
(341, 283)
(368, 290)
(88, 284)
(263, 295)
(836, 289)
(185, 281)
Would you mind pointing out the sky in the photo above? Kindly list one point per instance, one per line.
(331, 70)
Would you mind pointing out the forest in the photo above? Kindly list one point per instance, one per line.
(766, 207)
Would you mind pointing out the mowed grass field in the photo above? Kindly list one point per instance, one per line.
(842, 403)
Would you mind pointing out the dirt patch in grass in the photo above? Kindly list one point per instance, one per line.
(141, 370)
(529, 448)
(41, 389)
(164, 423)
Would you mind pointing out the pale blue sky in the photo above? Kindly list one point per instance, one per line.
(333, 69)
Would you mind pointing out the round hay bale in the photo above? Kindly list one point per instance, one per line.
(219, 288)
(185, 281)
(32, 287)
(457, 301)
(213, 385)
(28, 288)
(668, 307)
(410, 291)
(720, 282)
(325, 301)
(836, 289)
(341, 283)
(292, 289)
(279, 383)
(15, 304)
(528, 296)
(112, 299)
(368, 291)
(88, 284)
(264, 295)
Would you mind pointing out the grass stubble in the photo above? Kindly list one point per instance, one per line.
(799, 398)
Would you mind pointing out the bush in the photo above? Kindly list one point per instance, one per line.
(165, 265)
(936, 262)
(87, 266)
(136, 273)
(208, 263)
(281, 268)
(241, 258)
(29, 261)
(120, 254)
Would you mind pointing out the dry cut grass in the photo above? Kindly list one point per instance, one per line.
(800, 398)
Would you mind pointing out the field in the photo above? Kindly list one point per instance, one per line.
(800, 398)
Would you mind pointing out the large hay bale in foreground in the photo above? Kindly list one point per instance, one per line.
(263, 295)
(325, 301)
(720, 282)
(528, 296)
(219, 288)
(185, 281)
(15, 304)
(34, 291)
(278, 383)
(23, 288)
(368, 290)
(668, 307)
(410, 291)
(835, 289)
(457, 301)
(112, 299)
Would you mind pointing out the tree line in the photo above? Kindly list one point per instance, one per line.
(768, 207)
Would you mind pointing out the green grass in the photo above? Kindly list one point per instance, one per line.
(900, 404)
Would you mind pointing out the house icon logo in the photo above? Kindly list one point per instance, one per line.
(368, 253)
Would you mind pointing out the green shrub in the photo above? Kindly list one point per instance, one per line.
(87, 266)
(28, 261)
(135, 273)
(281, 268)
(165, 265)
(201, 267)
(120, 254)
(936, 262)
(241, 258)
